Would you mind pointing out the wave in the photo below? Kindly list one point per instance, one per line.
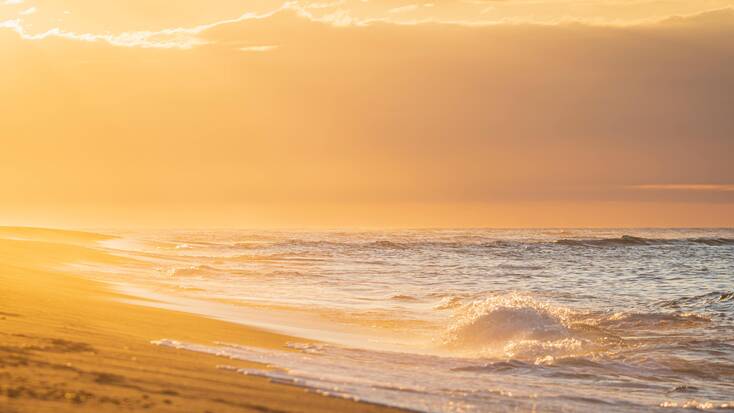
(387, 245)
(716, 306)
(277, 258)
(515, 325)
(629, 240)
(704, 301)
(404, 297)
(712, 241)
(194, 271)
(520, 326)
(207, 271)
(498, 367)
(449, 302)
(603, 242)
(631, 321)
(384, 245)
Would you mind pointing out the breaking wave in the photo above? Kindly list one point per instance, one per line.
(514, 325)
(522, 327)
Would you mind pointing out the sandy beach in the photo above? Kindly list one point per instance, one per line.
(68, 344)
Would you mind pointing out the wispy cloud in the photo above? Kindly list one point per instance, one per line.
(262, 48)
(172, 38)
(189, 37)
(175, 38)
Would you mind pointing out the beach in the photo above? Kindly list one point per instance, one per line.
(70, 344)
(435, 321)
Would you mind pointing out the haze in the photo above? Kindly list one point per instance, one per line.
(367, 113)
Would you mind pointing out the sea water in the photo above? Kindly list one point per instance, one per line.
(479, 320)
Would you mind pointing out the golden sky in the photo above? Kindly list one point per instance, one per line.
(260, 113)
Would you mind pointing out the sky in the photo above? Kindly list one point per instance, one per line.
(367, 113)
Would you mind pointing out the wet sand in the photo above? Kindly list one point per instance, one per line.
(68, 344)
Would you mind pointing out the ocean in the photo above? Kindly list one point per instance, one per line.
(449, 321)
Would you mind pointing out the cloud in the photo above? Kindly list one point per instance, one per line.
(175, 38)
(376, 111)
(710, 18)
(262, 48)
(320, 12)
(519, 111)
(686, 187)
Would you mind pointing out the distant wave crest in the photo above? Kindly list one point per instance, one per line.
(629, 240)
(623, 241)
(454, 245)
(718, 300)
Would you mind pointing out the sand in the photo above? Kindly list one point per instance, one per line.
(69, 344)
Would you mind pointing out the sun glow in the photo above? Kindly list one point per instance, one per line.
(308, 113)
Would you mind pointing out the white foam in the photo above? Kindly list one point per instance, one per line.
(426, 383)
(410, 381)
(510, 325)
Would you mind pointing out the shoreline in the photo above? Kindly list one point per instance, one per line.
(70, 343)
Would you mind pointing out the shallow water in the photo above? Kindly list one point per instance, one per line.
(465, 320)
